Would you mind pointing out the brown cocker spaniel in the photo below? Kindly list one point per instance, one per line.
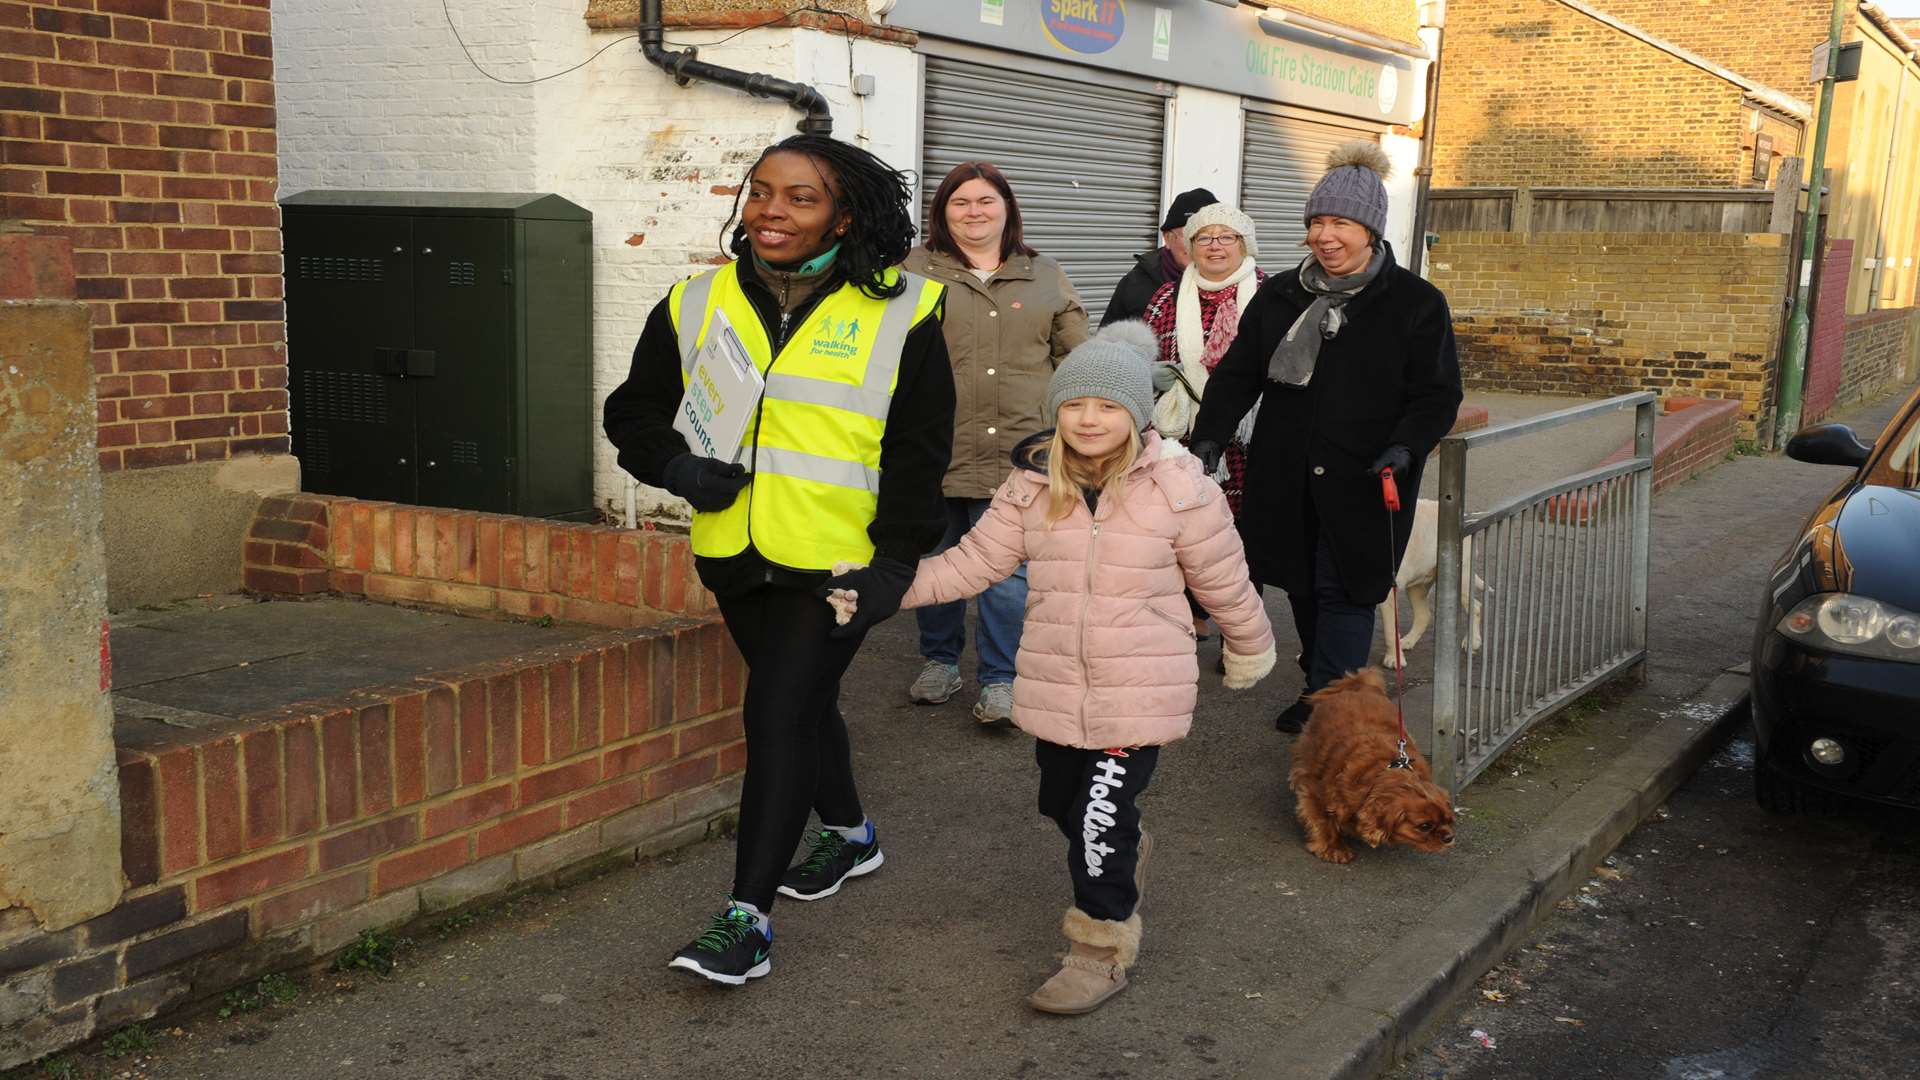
(1341, 781)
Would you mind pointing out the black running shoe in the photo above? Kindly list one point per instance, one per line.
(833, 860)
(1294, 717)
(731, 950)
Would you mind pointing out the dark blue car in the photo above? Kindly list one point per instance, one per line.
(1836, 656)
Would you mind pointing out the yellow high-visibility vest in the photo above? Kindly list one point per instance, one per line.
(814, 450)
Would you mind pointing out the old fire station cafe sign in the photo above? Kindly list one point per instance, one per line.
(1195, 42)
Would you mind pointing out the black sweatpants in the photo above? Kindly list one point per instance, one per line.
(798, 758)
(1091, 795)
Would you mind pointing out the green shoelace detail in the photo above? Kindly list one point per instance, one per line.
(826, 844)
(728, 929)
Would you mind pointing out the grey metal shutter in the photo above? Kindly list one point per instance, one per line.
(1283, 158)
(1083, 159)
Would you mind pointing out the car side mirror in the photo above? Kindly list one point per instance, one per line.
(1828, 444)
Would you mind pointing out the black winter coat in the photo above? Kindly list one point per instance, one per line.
(1131, 296)
(1390, 376)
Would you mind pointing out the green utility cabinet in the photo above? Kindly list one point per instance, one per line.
(440, 348)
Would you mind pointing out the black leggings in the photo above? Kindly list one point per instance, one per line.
(798, 757)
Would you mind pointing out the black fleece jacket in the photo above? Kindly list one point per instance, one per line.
(914, 451)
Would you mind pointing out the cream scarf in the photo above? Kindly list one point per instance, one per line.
(1175, 412)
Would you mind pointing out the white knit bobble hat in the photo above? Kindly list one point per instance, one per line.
(1222, 214)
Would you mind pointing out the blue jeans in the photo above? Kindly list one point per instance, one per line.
(1002, 610)
(1336, 634)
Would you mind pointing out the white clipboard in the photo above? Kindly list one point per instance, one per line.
(722, 390)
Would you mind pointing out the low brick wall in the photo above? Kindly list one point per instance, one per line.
(271, 842)
(1692, 436)
(1597, 314)
(275, 843)
(303, 545)
(1879, 353)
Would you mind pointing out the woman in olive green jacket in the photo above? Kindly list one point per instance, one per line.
(1011, 315)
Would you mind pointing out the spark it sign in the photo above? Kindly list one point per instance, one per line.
(1084, 26)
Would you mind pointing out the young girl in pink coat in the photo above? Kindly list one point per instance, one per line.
(1113, 524)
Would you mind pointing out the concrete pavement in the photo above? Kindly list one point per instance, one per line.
(1258, 960)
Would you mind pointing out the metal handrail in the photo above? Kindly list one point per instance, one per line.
(1571, 606)
(1487, 436)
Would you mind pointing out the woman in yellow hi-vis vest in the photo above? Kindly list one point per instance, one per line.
(842, 462)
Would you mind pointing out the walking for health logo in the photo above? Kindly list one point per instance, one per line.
(836, 337)
(1084, 26)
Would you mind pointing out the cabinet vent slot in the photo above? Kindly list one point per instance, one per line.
(341, 268)
(343, 395)
(316, 451)
(464, 453)
(460, 273)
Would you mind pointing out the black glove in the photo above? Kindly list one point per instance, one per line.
(1395, 457)
(1209, 454)
(708, 483)
(881, 587)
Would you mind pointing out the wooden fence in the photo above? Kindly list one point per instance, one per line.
(1635, 210)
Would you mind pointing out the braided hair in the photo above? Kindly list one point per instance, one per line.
(876, 197)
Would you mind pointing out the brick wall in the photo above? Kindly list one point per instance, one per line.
(143, 131)
(1767, 41)
(1606, 313)
(1879, 353)
(272, 843)
(1535, 94)
(1827, 337)
(308, 544)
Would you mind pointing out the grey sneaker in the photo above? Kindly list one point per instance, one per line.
(995, 705)
(935, 684)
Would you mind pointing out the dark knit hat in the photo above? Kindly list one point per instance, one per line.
(1184, 204)
(1353, 186)
(1111, 364)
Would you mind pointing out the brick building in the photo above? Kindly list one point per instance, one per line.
(1672, 118)
(1549, 93)
(143, 131)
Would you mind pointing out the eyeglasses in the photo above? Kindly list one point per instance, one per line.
(1219, 240)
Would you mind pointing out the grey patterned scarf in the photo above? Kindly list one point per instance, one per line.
(1293, 360)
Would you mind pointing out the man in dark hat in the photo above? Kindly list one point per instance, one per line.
(1161, 265)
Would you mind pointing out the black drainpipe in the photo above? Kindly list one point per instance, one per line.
(685, 69)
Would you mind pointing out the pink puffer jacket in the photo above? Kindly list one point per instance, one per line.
(1107, 656)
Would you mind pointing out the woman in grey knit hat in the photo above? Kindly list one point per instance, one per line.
(1355, 358)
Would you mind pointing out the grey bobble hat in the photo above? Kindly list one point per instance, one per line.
(1111, 364)
(1353, 187)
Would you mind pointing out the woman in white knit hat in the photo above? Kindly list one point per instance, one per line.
(1196, 317)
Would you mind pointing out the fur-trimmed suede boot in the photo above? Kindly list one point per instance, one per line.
(1099, 952)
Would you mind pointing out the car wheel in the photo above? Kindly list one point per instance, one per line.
(1777, 794)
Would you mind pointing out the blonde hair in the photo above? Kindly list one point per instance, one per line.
(1068, 471)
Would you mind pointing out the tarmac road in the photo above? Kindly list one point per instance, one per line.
(1718, 943)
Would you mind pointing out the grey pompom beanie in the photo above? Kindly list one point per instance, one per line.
(1353, 187)
(1111, 364)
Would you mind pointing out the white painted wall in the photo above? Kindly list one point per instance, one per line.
(1402, 191)
(377, 94)
(1203, 137)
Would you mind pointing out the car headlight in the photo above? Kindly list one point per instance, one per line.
(1857, 625)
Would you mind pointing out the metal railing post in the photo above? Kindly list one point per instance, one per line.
(1643, 418)
(1443, 736)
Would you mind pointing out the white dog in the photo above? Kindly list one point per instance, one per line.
(1419, 570)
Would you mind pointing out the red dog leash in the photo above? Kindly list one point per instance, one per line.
(1390, 494)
